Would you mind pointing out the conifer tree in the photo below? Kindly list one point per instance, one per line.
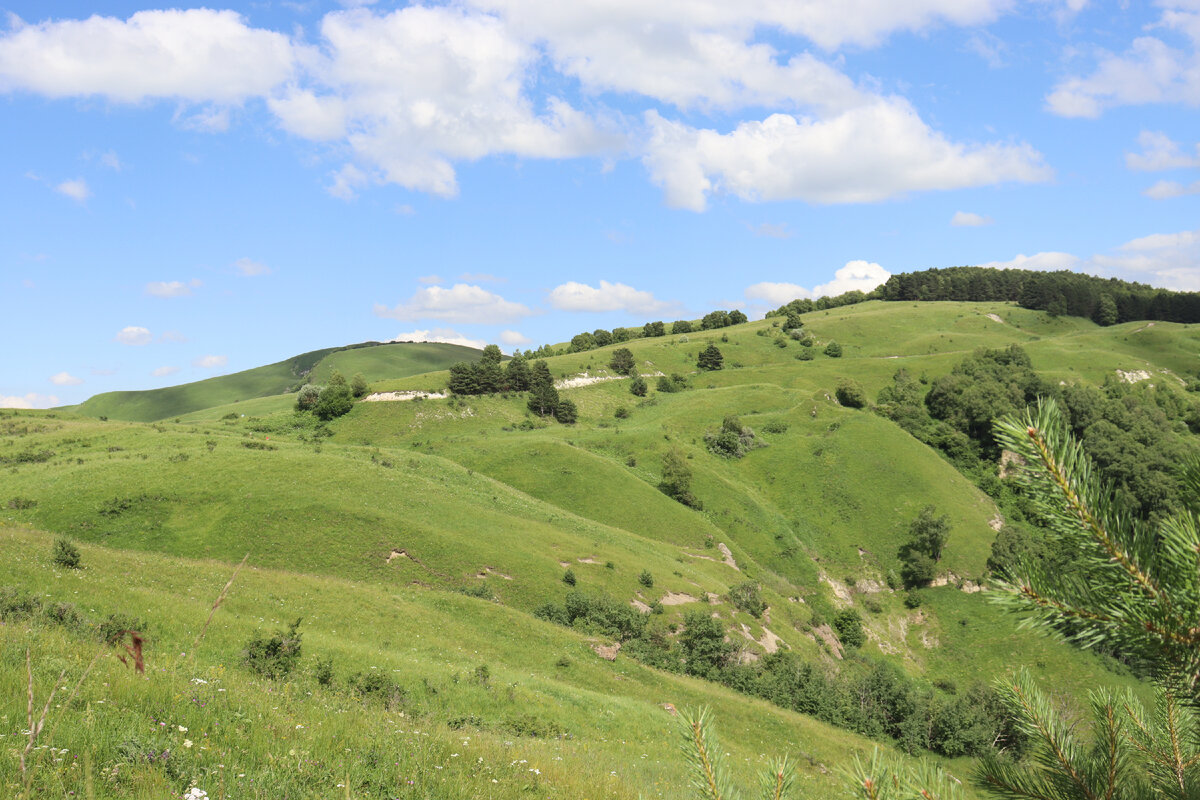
(543, 397)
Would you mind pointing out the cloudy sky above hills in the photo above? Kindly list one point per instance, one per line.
(194, 191)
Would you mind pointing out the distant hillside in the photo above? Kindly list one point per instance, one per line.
(374, 360)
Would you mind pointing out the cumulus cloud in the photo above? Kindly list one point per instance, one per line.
(169, 288)
(860, 276)
(1046, 260)
(573, 296)
(161, 372)
(249, 268)
(777, 294)
(197, 55)
(1159, 152)
(65, 379)
(1150, 71)
(31, 400)
(460, 303)
(968, 219)
(442, 335)
(1165, 190)
(210, 362)
(134, 335)
(866, 154)
(76, 189)
(408, 94)
(514, 338)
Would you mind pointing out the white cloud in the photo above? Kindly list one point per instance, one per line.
(867, 154)
(1160, 153)
(210, 362)
(414, 90)
(75, 189)
(168, 289)
(161, 372)
(65, 379)
(861, 276)
(771, 230)
(1046, 260)
(134, 335)
(347, 181)
(442, 335)
(573, 296)
(968, 219)
(460, 303)
(1150, 71)
(109, 159)
(777, 294)
(514, 338)
(31, 400)
(249, 268)
(196, 55)
(210, 119)
(1171, 259)
(1165, 190)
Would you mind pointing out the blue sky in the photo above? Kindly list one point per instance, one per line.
(192, 191)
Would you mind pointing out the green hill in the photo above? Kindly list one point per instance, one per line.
(426, 544)
(374, 360)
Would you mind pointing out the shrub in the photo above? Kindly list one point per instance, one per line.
(358, 385)
(733, 440)
(833, 350)
(646, 579)
(621, 413)
(849, 628)
(307, 397)
(569, 578)
(22, 504)
(378, 686)
(566, 412)
(850, 394)
(748, 597)
(912, 599)
(334, 401)
(274, 657)
(776, 426)
(677, 480)
(323, 671)
(637, 386)
(65, 554)
(804, 355)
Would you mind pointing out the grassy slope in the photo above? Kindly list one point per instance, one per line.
(374, 362)
(816, 515)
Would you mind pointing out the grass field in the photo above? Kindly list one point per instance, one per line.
(377, 533)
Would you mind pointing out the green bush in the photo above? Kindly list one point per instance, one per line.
(748, 597)
(850, 394)
(849, 628)
(569, 577)
(646, 579)
(566, 412)
(65, 554)
(637, 386)
(833, 350)
(274, 657)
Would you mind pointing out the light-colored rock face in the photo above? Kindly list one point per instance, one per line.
(1133, 375)
(392, 397)
(677, 599)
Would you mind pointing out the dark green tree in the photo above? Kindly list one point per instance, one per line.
(603, 338)
(358, 385)
(703, 643)
(1106, 311)
(334, 400)
(464, 379)
(715, 319)
(622, 361)
(637, 386)
(677, 479)
(849, 628)
(566, 411)
(543, 397)
(850, 394)
(581, 342)
(516, 374)
(710, 358)
(652, 329)
(681, 326)
(737, 317)
(833, 350)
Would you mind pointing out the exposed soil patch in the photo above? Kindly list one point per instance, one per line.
(1009, 462)
(640, 606)
(486, 571)
(996, 523)
(397, 554)
(607, 651)
(392, 397)
(677, 599)
(728, 556)
(825, 634)
(1133, 375)
(994, 318)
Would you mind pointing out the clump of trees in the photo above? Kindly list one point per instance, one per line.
(733, 439)
(334, 399)
(622, 362)
(920, 554)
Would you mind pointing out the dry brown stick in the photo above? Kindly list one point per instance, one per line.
(219, 600)
(34, 730)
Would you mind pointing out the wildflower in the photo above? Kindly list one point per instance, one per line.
(187, 742)
(195, 793)
(182, 729)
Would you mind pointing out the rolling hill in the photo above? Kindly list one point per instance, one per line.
(426, 544)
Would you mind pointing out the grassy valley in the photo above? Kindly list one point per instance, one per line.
(427, 545)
